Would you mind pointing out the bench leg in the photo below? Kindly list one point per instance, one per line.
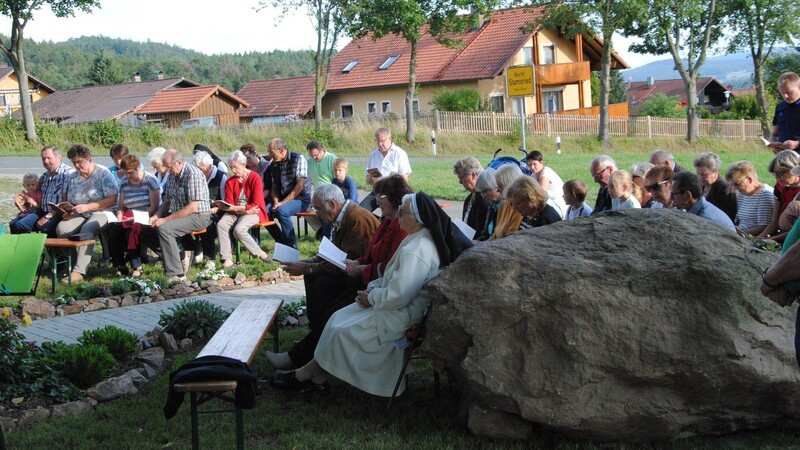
(298, 226)
(193, 409)
(273, 330)
(54, 268)
(239, 429)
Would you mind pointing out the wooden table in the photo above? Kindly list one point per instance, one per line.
(55, 248)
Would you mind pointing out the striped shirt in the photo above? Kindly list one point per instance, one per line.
(755, 210)
(138, 197)
(54, 185)
(188, 187)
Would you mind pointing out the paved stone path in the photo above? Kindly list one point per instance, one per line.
(140, 319)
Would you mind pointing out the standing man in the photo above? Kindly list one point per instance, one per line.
(186, 208)
(254, 161)
(55, 181)
(287, 190)
(687, 193)
(387, 159)
(601, 168)
(664, 158)
(786, 121)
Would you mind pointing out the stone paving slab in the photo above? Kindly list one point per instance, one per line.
(140, 319)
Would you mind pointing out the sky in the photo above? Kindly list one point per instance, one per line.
(207, 26)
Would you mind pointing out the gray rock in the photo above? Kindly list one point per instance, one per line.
(148, 371)
(168, 343)
(239, 278)
(139, 380)
(186, 344)
(8, 423)
(71, 408)
(205, 284)
(112, 388)
(33, 416)
(95, 307)
(73, 308)
(225, 281)
(633, 325)
(113, 303)
(302, 321)
(152, 356)
(497, 424)
(128, 300)
(214, 289)
(249, 284)
(152, 341)
(38, 309)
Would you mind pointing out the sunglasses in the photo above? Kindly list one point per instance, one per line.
(655, 186)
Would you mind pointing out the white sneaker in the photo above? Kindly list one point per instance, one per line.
(198, 258)
(187, 263)
(280, 361)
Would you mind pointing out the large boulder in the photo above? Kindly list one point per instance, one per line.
(633, 325)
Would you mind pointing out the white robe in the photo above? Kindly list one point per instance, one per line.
(357, 344)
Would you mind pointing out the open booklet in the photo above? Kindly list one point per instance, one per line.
(770, 143)
(285, 254)
(140, 217)
(222, 204)
(468, 231)
(332, 253)
(64, 207)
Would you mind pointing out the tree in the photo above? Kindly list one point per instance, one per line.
(788, 61)
(675, 26)
(460, 100)
(323, 14)
(20, 12)
(406, 18)
(578, 17)
(662, 105)
(617, 88)
(758, 26)
(105, 70)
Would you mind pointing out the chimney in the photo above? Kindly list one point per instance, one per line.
(160, 75)
(650, 81)
(480, 18)
(137, 77)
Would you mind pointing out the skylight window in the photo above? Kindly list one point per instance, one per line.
(349, 67)
(388, 63)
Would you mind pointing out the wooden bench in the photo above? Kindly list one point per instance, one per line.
(303, 214)
(55, 249)
(255, 231)
(237, 338)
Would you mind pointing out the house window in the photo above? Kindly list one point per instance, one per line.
(386, 107)
(549, 54)
(553, 100)
(349, 66)
(372, 108)
(527, 55)
(347, 110)
(414, 106)
(496, 103)
(388, 63)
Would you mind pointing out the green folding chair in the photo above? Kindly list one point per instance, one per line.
(21, 255)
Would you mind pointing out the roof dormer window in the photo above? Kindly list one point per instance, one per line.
(388, 63)
(349, 67)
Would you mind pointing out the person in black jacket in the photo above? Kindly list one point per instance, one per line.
(601, 168)
(716, 189)
(475, 205)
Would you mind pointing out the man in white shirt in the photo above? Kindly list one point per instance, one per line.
(388, 159)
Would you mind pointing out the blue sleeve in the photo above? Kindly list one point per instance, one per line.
(352, 188)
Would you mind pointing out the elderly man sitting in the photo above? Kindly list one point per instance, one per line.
(325, 283)
(687, 193)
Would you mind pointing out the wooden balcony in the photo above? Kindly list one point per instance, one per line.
(559, 74)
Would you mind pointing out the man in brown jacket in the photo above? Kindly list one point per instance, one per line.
(328, 288)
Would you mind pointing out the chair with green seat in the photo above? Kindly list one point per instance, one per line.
(21, 255)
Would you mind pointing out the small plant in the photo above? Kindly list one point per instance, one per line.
(86, 365)
(120, 343)
(128, 284)
(211, 273)
(296, 309)
(195, 319)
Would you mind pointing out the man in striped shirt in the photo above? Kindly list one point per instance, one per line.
(54, 182)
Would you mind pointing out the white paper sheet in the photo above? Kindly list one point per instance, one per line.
(332, 253)
(468, 231)
(285, 254)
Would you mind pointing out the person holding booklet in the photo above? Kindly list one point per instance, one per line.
(92, 188)
(243, 207)
(386, 159)
(138, 192)
(328, 288)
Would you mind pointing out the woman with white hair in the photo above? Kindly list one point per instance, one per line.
(245, 191)
(716, 189)
(160, 171)
(216, 179)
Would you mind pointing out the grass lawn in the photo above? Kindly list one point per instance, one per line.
(344, 419)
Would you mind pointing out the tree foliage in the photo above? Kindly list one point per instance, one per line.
(662, 105)
(460, 100)
(788, 61)
(746, 107)
(617, 88)
(105, 70)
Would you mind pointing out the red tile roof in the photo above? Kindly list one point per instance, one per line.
(282, 97)
(639, 91)
(185, 99)
(484, 54)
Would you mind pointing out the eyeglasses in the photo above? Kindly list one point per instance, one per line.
(737, 183)
(381, 196)
(677, 193)
(597, 175)
(655, 186)
(485, 191)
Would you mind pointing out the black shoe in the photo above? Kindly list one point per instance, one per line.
(287, 381)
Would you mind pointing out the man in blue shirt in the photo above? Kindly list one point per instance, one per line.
(687, 193)
(786, 122)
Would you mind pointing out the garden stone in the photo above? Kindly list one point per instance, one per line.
(290, 320)
(127, 301)
(95, 307)
(168, 343)
(112, 388)
(240, 278)
(112, 303)
(214, 289)
(634, 325)
(71, 408)
(148, 371)
(205, 284)
(232, 287)
(302, 321)
(8, 423)
(33, 416)
(138, 379)
(225, 281)
(186, 344)
(152, 356)
(152, 341)
(102, 300)
(497, 424)
(38, 309)
(72, 308)
(249, 284)
(167, 292)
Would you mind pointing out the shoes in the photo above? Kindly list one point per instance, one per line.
(285, 380)
(187, 262)
(137, 272)
(227, 263)
(176, 278)
(265, 257)
(74, 276)
(280, 361)
(198, 258)
(121, 271)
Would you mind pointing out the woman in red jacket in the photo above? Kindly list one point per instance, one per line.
(243, 207)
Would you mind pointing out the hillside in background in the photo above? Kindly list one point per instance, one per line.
(66, 65)
(735, 69)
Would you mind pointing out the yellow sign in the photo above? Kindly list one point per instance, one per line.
(519, 81)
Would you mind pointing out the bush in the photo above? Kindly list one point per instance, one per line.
(460, 100)
(120, 343)
(86, 365)
(662, 105)
(106, 133)
(151, 135)
(324, 134)
(195, 319)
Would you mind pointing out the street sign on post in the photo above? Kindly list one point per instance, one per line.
(520, 83)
